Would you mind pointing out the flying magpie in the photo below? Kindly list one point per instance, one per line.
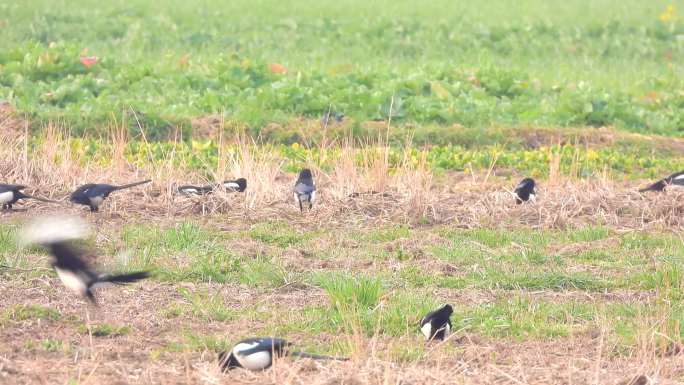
(676, 179)
(92, 195)
(305, 190)
(524, 191)
(258, 353)
(11, 193)
(437, 324)
(59, 236)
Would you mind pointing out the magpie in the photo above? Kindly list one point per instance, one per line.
(258, 353)
(437, 324)
(92, 195)
(195, 190)
(676, 179)
(305, 190)
(59, 236)
(524, 191)
(237, 185)
(11, 193)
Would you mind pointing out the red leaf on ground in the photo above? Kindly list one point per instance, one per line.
(88, 61)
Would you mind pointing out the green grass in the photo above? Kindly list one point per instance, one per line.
(20, 313)
(537, 293)
(507, 64)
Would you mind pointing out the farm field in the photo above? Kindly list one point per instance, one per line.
(436, 112)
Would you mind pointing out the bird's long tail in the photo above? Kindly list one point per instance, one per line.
(123, 186)
(123, 279)
(40, 199)
(317, 356)
(658, 186)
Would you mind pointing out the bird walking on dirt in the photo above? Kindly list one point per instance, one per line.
(436, 325)
(59, 236)
(674, 180)
(305, 190)
(524, 191)
(259, 353)
(92, 195)
(11, 193)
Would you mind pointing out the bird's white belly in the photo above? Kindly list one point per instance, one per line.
(447, 330)
(254, 361)
(533, 197)
(6, 197)
(231, 185)
(426, 329)
(72, 281)
(97, 201)
(312, 197)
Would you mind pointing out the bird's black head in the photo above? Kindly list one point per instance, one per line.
(528, 183)
(447, 310)
(227, 361)
(242, 183)
(305, 174)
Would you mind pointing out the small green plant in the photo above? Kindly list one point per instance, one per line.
(19, 313)
(104, 330)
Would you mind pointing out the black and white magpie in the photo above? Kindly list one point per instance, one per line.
(11, 193)
(524, 191)
(195, 190)
(92, 195)
(258, 354)
(59, 236)
(436, 325)
(676, 179)
(305, 190)
(237, 185)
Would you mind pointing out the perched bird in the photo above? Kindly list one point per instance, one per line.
(437, 324)
(237, 185)
(305, 190)
(59, 235)
(524, 191)
(258, 353)
(92, 195)
(676, 179)
(11, 193)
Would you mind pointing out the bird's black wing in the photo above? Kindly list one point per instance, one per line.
(303, 188)
(11, 187)
(68, 256)
(269, 344)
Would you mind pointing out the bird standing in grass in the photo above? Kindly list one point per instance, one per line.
(675, 180)
(237, 185)
(524, 191)
(258, 354)
(305, 190)
(59, 236)
(11, 193)
(436, 325)
(92, 195)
